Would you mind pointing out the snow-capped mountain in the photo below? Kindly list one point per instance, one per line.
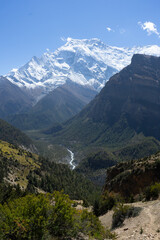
(88, 62)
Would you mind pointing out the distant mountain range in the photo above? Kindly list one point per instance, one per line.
(88, 62)
(56, 107)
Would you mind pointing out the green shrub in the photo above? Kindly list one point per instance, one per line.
(106, 203)
(121, 212)
(90, 225)
(110, 235)
(152, 192)
(61, 219)
(24, 218)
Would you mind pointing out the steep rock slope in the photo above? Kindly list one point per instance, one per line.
(132, 177)
(132, 94)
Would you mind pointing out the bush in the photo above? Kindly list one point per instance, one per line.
(61, 220)
(24, 218)
(121, 212)
(110, 235)
(152, 192)
(90, 225)
(106, 203)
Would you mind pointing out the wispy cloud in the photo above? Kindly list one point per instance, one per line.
(118, 29)
(109, 29)
(149, 27)
(63, 39)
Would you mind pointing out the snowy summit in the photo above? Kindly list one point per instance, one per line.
(88, 62)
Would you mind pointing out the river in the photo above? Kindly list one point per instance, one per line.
(72, 159)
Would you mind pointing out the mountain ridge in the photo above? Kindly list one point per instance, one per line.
(57, 106)
(12, 98)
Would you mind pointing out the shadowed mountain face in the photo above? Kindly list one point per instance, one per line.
(133, 94)
(128, 104)
(12, 98)
(58, 106)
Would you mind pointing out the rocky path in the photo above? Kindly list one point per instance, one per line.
(146, 226)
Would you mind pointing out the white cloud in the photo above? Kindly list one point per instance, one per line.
(150, 27)
(109, 29)
(120, 30)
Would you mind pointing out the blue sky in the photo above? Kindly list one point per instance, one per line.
(29, 27)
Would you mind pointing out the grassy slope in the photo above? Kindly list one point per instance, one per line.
(17, 163)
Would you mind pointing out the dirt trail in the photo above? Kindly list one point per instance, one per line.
(146, 226)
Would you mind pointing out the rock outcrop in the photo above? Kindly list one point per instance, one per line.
(131, 178)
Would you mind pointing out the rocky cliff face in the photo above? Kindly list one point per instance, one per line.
(133, 177)
(132, 94)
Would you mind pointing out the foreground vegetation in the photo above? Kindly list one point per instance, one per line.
(45, 216)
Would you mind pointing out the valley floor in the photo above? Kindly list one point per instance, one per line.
(146, 226)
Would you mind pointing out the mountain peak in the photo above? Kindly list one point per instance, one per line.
(85, 45)
(85, 41)
(88, 62)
